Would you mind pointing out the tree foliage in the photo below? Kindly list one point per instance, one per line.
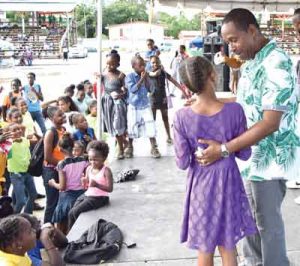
(120, 11)
(16, 17)
(88, 13)
(123, 11)
(173, 25)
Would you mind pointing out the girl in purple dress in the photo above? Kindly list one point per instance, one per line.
(217, 212)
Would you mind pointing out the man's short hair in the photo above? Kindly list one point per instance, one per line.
(242, 18)
(297, 11)
(150, 40)
(31, 74)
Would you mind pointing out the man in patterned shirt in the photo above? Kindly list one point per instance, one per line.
(296, 23)
(266, 90)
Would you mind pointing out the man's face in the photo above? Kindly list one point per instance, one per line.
(150, 45)
(242, 43)
(30, 79)
(296, 23)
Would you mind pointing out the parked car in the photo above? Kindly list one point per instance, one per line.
(78, 52)
(165, 47)
(91, 49)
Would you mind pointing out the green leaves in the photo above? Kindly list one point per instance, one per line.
(264, 153)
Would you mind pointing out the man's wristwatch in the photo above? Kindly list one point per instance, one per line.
(224, 151)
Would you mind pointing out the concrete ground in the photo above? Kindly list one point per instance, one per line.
(149, 210)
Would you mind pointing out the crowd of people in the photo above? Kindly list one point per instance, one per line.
(209, 134)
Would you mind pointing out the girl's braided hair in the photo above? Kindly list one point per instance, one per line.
(194, 73)
(10, 228)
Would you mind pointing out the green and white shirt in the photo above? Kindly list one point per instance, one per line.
(268, 83)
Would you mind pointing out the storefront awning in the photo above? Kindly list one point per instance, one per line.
(38, 5)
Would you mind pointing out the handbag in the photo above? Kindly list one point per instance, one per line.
(169, 97)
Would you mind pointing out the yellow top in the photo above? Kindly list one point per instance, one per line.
(7, 259)
(28, 123)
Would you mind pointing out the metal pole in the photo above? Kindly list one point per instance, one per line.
(99, 91)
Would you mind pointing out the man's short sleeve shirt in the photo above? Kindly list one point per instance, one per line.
(268, 83)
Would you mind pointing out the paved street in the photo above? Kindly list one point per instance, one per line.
(148, 210)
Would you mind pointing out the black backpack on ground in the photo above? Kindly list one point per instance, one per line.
(101, 242)
(37, 156)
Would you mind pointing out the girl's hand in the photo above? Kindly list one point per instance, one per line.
(84, 182)
(97, 75)
(87, 138)
(93, 183)
(5, 136)
(51, 182)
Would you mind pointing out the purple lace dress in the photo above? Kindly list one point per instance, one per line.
(216, 211)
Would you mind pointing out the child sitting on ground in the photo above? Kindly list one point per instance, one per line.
(98, 181)
(70, 171)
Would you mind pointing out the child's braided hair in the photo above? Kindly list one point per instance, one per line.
(194, 73)
(10, 228)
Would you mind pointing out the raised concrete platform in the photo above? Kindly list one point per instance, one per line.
(149, 211)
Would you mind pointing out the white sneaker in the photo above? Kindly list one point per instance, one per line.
(297, 200)
(292, 184)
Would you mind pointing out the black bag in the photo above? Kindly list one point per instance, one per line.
(99, 243)
(37, 156)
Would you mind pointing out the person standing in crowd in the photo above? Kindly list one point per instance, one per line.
(18, 160)
(66, 104)
(152, 50)
(158, 98)
(65, 51)
(89, 92)
(52, 155)
(14, 93)
(79, 99)
(140, 120)
(70, 90)
(33, 95)
(113, 103)
(266, 91)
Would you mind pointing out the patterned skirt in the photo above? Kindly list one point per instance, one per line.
(140, 122)
(114, 113)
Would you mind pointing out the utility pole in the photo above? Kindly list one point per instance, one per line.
(99, 91)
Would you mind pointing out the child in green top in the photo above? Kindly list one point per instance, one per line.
(17, 164)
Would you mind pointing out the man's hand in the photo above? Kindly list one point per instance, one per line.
(211, 154)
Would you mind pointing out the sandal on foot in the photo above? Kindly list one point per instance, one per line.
(120, 155)
(155, 152)
(169, 141)
(129, 152)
